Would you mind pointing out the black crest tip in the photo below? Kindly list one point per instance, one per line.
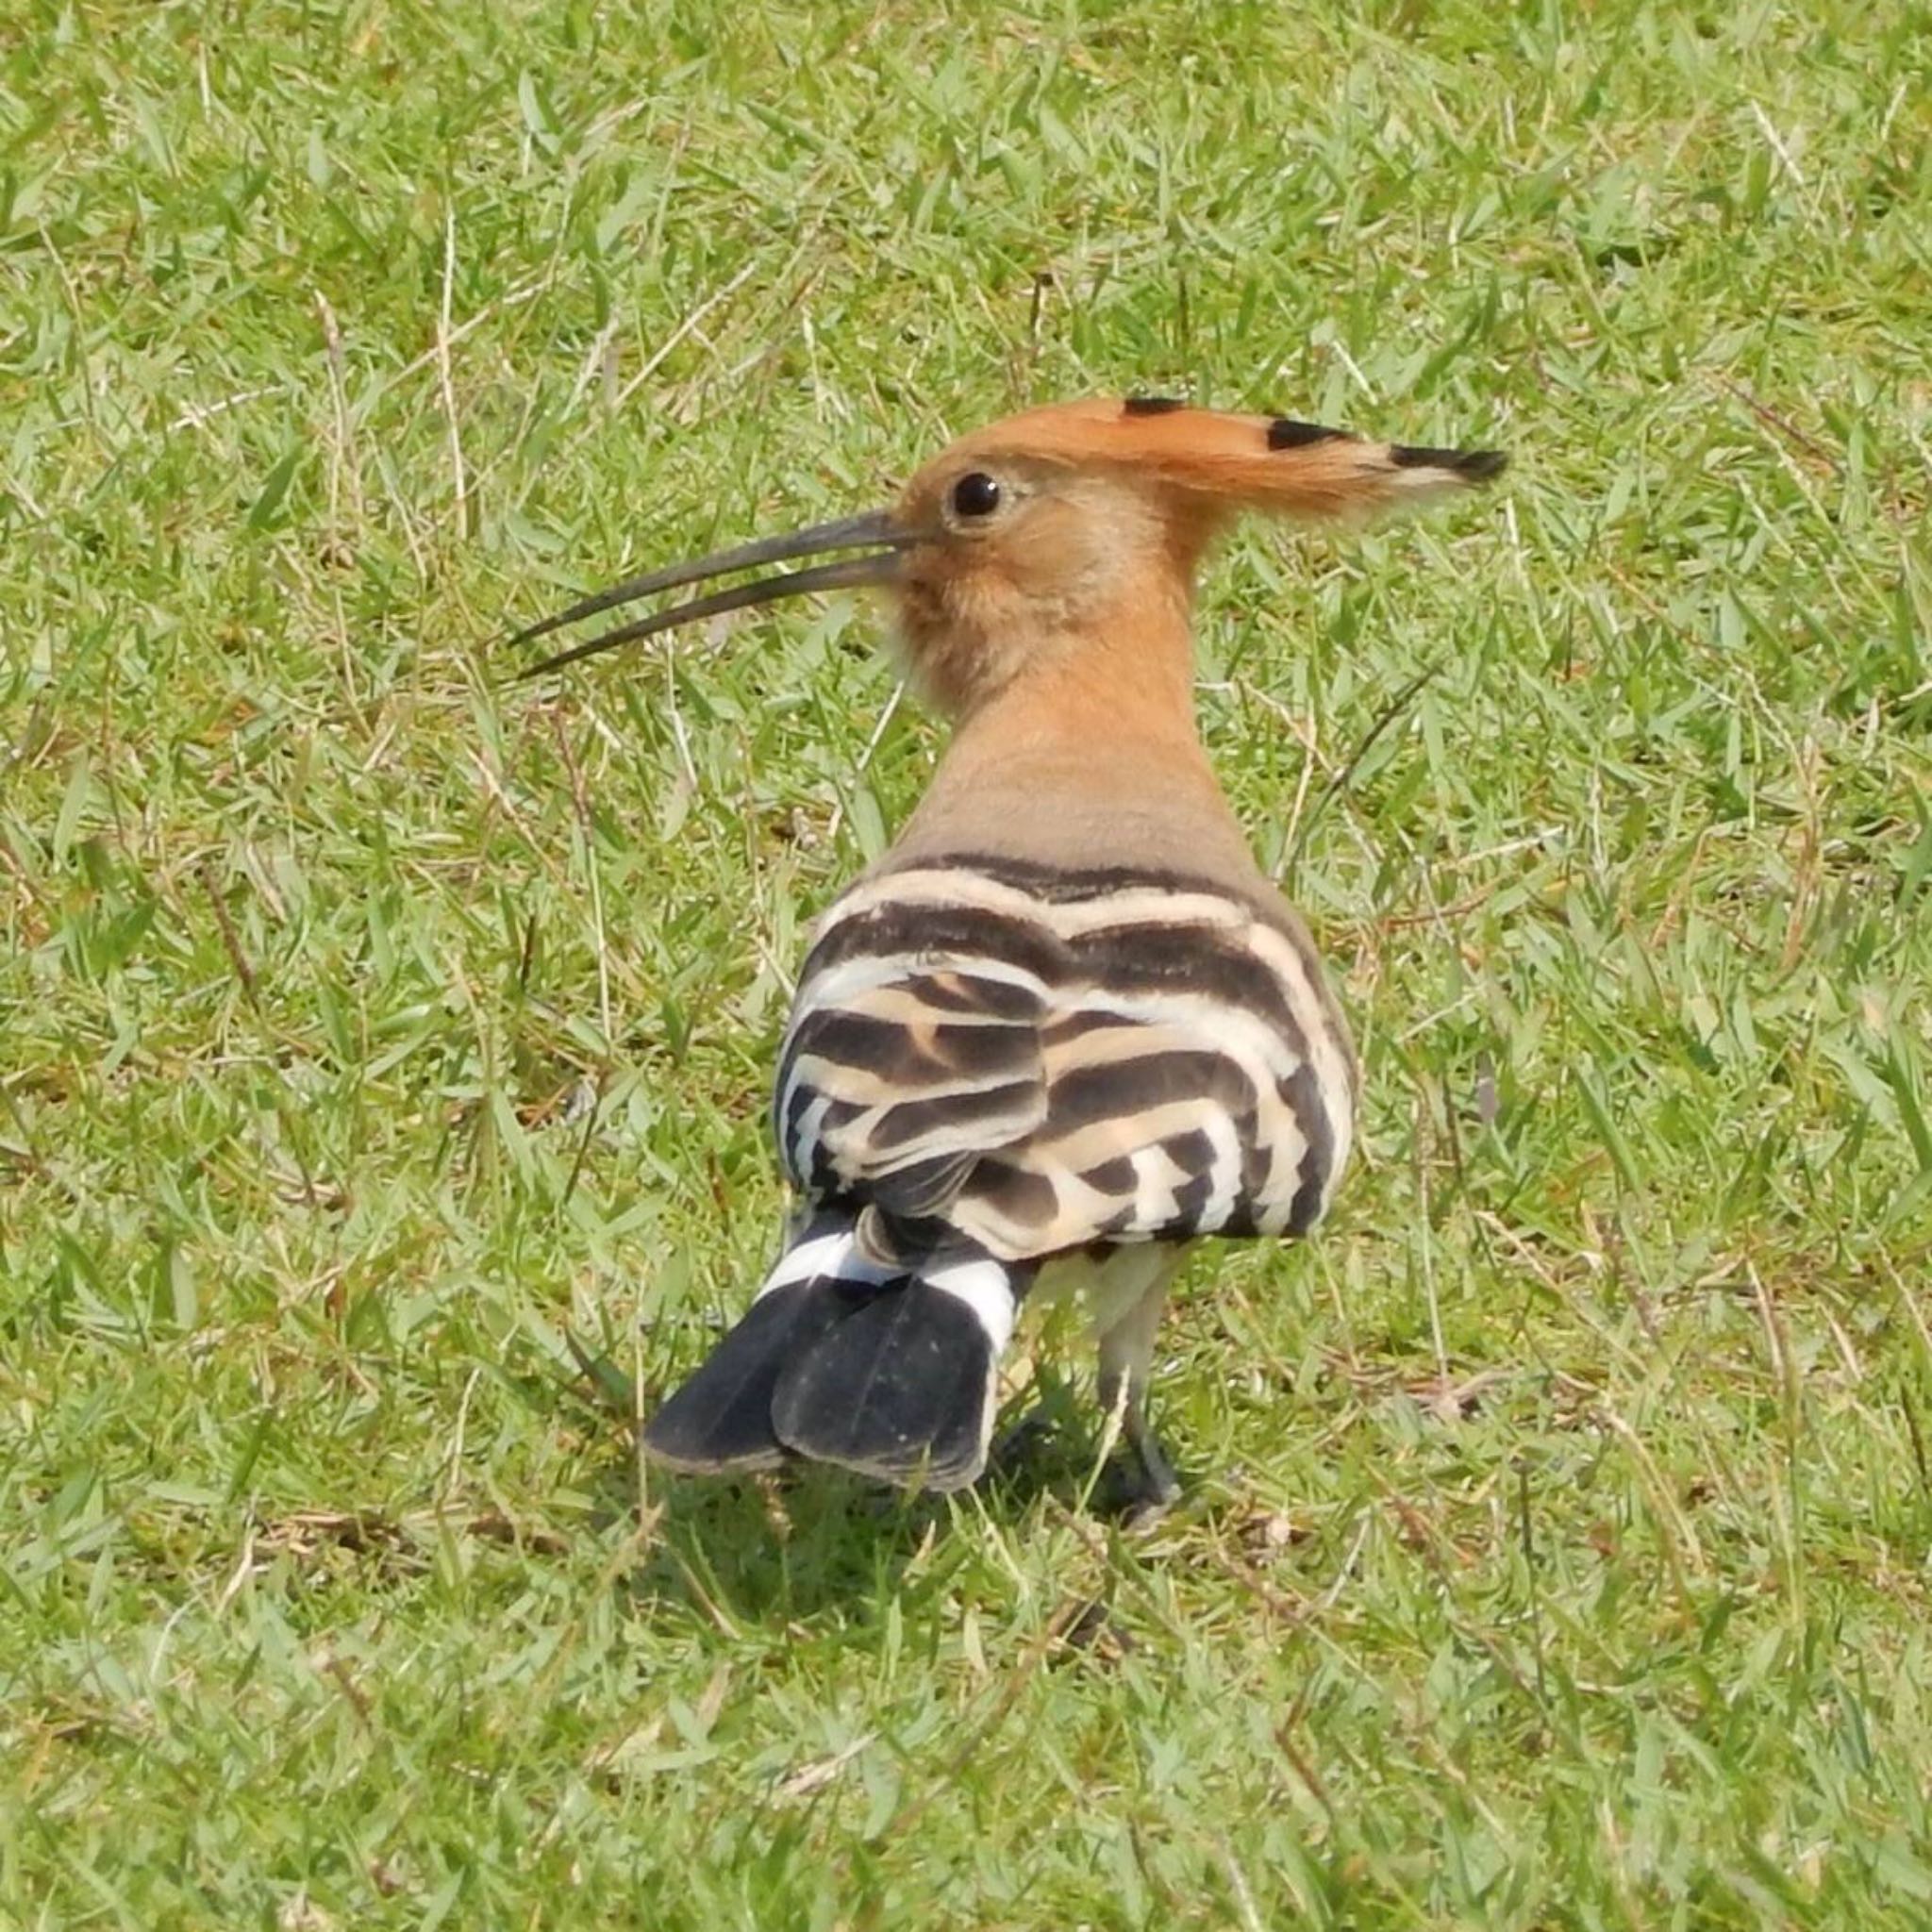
(1151, 405)
(1286, 433)
(1473, 465)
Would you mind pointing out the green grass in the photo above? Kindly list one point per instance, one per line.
(1558, 1545)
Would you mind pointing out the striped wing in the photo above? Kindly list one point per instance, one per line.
(1038, 1062)
(897, 1076)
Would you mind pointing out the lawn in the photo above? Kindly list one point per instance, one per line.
(384, 1041)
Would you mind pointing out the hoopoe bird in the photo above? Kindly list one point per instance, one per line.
(1065, 1027)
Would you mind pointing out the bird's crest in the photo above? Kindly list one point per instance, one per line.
(1267, 463)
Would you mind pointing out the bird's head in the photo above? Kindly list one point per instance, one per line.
(1029, 537)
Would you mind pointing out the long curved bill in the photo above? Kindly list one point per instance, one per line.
(874, 531)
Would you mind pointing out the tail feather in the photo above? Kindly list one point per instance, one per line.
(721, 1419)
(904, 1391)
(894, 1378)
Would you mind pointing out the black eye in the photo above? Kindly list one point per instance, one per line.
(977, 495)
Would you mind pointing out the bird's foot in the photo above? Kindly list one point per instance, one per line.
(1143, 1485)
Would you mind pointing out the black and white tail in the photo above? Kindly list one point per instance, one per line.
(887, 1369)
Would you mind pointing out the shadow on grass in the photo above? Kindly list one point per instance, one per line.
(803, 1544)
(810, 1543)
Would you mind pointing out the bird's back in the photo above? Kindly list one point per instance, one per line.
(1033, 1060)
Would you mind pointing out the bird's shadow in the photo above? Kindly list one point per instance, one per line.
(806, 1542)
(796, 1545)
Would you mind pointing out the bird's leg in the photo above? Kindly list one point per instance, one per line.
(1126, 1321)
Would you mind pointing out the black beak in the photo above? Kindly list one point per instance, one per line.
(875, 530)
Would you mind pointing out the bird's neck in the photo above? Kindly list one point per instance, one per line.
(1090, 755)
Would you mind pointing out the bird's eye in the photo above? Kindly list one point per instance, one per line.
(976, 495)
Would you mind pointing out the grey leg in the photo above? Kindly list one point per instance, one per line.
(1129, 1296)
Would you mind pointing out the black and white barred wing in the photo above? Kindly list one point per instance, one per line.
(897, 1076)
(1113, 1061)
